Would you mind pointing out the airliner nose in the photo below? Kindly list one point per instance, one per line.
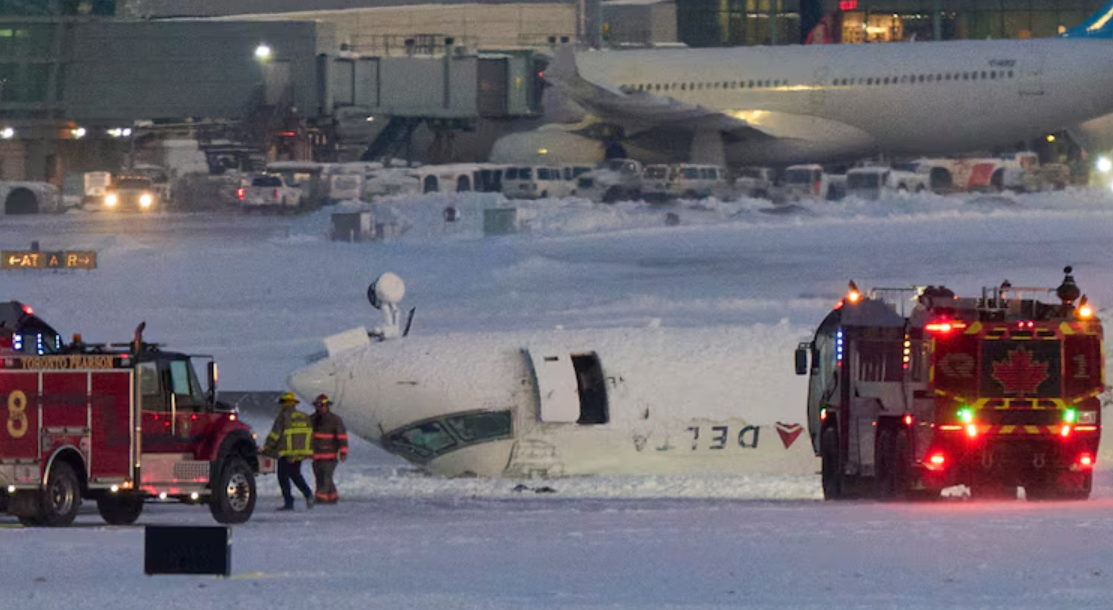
(319, 378)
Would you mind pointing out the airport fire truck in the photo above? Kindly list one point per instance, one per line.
(120, 424)
(992, 392)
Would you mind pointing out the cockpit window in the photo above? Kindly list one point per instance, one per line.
(423, 441)
(474, 427)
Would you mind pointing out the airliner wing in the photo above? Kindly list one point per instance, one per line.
(637, 111)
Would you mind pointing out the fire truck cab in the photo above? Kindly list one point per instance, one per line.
(119, 424)
(992, 392)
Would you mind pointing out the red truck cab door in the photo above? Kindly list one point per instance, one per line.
(176, 413)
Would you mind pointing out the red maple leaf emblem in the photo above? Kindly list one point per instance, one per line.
(1019, 374)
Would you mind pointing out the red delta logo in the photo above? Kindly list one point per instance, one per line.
(789, 433)
(1019, 374)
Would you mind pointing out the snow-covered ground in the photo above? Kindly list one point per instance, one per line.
(259, 293)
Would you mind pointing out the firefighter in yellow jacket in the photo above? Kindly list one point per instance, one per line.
(290, 441)
(330, 443)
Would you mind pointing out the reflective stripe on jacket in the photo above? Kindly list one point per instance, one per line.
(330, 439)
(290, 436)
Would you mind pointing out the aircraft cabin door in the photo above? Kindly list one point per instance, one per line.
(818, 95)
(1031, 75)
(555, 379)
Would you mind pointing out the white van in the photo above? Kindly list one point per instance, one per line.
(876, 182)
(802, 182)
(692, 181)
(536, 182)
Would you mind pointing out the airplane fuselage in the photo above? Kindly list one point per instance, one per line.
(814, 103)
(614, 401)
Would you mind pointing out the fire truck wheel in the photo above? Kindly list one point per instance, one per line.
(832, 468)
(233, 498)
(120, 509)
(61, 498)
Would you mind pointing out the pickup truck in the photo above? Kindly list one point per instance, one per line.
(269, 192)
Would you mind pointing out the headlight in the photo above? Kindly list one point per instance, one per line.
(110, 200)
(1104, 165)
(145, 200)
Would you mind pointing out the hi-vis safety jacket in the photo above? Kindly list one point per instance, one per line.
(330, 439)
(290, 436)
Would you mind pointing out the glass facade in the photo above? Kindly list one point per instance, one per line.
(704, 23)
(39, 8)
(715, 23)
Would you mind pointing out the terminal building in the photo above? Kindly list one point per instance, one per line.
(86, 83)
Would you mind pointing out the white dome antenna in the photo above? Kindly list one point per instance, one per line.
(388, 289)
(384, 294)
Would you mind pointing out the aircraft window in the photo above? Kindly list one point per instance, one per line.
(886, 81)
(938, 77)
(751, 84)
(475, 427)
(683, 86)
(965, 76)
(1010, 73)
(767, 83)
(423, 440)
(869, 81)
(983, 75)
(993, 74)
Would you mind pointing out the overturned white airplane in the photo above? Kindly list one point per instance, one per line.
(562, 403)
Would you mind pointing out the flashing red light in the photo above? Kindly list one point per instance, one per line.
(277, 194)
(848, 5)
(1065, 431)
(287, 134)
(241, 193)
(853, 296)
(1086, 460)
(823, 415)
(839, 304)
(971, 430)
(944, 327)
(907, 419)
(937, 459)
(27, 310)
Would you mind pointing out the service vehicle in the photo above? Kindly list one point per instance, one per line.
(269, 192)
(685, 181)
(754, 181)
(994, 392)
(132, 194)
(876, 182)
(612, 181)
(811, 182)
(118, 424)
(537, 182)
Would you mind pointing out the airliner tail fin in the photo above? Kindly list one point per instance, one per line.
(1099, 25)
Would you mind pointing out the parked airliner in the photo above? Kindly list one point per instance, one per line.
(815, 103)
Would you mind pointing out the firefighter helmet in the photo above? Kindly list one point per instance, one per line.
(322, 400)
(288, 398)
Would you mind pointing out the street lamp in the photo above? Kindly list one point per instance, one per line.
(263, 52)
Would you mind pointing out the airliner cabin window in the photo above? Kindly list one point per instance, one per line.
(1010, 73)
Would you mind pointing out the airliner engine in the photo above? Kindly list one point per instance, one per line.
(558, 403)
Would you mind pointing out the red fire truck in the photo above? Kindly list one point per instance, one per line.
(993, 392)
(118, 424)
